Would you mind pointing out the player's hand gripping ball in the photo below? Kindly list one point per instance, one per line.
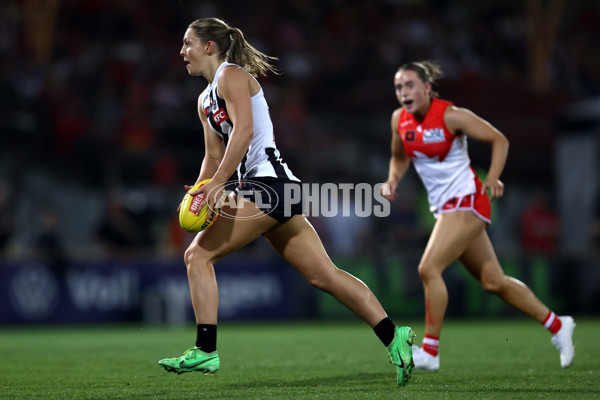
(189, 221)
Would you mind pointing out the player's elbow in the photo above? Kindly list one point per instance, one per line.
(502, 141)
(212, 159)
(400, 161)
(397, 158)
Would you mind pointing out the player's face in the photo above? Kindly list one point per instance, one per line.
(412, 92)
(192, 52)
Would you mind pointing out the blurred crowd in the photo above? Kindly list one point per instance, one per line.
(98, 120)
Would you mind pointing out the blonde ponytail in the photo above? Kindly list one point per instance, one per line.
(233, 47)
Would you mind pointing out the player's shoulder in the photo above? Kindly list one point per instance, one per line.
(201, 98)
(233, 76)
(453, 112)
(202, 95)
(396, 114)
(204, 92)
(396, 118)
(232, 71)
(456, 118)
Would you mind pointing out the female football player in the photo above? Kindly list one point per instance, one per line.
(238, 135)
(432, 133)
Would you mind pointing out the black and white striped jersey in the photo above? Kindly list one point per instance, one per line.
(262, 158)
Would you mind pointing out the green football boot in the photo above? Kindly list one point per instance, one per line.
(192, 360)
(400, 353)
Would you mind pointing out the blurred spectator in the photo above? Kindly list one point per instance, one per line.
(119, 233)
(539, 225)
(345, 230)
(7, 222)
(175, 240)
(47, 244)
(102, 84)
(406, 228)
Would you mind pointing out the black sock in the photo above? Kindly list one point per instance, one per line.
(385, 331)
(206, 337)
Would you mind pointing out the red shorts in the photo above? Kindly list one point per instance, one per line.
(477, 202)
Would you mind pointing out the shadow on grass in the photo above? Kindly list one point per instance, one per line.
(352, 380)
(381, 381)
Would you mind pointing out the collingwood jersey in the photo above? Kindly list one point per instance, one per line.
(262, 157)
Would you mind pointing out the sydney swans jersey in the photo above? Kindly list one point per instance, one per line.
(440, 158)
(262, 158)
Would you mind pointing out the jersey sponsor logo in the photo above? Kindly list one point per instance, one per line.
(405, 123)
(220, 116)
(434, 135)
(410, 136)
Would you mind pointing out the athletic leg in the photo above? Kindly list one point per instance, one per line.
(234, 229)
(450, 237)
(298, 243)
(480, 260)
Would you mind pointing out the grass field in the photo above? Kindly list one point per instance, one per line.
(506, 359)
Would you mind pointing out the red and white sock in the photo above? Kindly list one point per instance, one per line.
(552, 323)
(431, 344)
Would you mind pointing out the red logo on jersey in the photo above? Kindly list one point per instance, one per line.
(410, 136)
(196, 203)
(220, 116)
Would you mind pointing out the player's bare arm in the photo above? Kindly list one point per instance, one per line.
(233, 88)
(214, 148)
(399, 161)
(462, 121)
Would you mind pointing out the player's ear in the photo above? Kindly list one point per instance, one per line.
(427, 88)
(210, 47)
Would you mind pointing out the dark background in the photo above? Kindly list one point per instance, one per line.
(99, 131)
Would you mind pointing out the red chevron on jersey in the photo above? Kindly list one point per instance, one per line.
(430, 137)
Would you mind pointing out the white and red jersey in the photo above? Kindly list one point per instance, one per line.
(440, 158)
(262, 158)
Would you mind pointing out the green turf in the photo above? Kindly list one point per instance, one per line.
(511, 359)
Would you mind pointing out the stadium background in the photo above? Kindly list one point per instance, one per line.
(99, 133)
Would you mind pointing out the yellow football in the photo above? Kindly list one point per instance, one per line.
(189, 221)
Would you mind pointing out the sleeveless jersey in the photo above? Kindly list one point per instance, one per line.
(262, 158)
(440, 158)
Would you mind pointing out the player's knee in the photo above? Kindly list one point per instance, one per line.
(194, 255)
(189, 256)
(427, 272)
(319, 282)
(492, 285)
(322, 280)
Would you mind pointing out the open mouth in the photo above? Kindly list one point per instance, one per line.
(407, 102)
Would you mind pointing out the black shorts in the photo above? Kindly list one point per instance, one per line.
(278, 198)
